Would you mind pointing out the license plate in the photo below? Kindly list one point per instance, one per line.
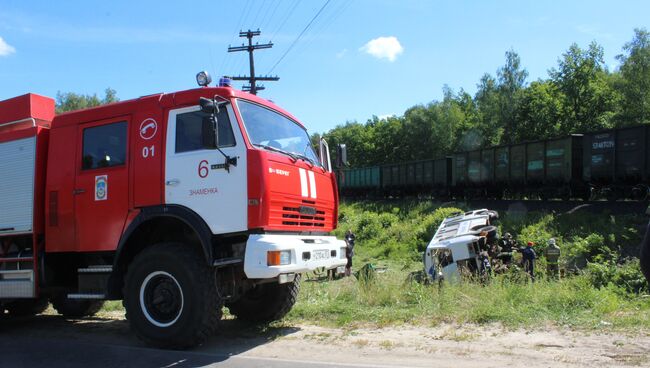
(317, 255)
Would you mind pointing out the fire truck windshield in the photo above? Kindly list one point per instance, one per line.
(270, 130)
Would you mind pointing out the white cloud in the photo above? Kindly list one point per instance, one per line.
(383, 48)
(5, 48)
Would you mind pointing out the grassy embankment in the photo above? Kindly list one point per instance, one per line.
(603, 287)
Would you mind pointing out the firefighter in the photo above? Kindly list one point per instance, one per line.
(349, 251)
(552, 254)
(507, 245)
(529, 257)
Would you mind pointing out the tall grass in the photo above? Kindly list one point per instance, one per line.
(598, 291)
(391, 300)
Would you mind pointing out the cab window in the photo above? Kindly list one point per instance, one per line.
(189, 133)
(104, 146)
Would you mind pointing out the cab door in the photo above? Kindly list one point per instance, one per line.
(196, 177)
(101, 191)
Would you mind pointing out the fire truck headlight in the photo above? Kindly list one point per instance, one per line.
(203, 79)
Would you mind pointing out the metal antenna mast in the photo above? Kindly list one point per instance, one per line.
(252, 79)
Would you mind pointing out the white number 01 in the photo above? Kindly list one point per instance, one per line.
(148, 151)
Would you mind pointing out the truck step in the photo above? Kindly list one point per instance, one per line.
(87, 296)
(17, 284)
(223, 262)
(96, 269)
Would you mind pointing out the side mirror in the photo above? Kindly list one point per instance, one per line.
(209, 132)
(207, 105)
(342, 156)
(324, 151)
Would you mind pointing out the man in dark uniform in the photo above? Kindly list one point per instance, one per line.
(349, 251)
(529, 257)
(552, 254)
(506, 244)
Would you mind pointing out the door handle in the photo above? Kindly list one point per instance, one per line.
(78, 191)
(172, 182)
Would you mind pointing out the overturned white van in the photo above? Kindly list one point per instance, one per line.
(456, 248)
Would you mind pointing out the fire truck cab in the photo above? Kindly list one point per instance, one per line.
(176, 203)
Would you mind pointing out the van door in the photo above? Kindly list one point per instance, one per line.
(101, 191)
(196, 177)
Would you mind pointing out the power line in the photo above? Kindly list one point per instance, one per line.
(286, 18)
(300, 35)
(242, 18)
(325, 22)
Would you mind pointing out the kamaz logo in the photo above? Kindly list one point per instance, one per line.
(278, 171)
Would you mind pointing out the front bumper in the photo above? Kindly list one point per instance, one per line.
(301, 247)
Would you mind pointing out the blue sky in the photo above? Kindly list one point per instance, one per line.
(359, 58)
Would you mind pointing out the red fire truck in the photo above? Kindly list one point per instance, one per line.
(176, 203)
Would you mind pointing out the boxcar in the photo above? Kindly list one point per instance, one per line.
(616, 163)
(359, 181)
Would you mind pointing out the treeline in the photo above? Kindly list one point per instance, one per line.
(580, 94)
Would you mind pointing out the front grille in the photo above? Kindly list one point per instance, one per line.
(297, 214)
(291, 216)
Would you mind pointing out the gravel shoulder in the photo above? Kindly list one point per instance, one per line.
(405, 346)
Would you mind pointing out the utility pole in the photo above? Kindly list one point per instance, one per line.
(252, 79)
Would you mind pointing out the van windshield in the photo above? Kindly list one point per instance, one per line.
(270, 130)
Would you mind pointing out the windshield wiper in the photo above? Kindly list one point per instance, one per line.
(305, 158)
(274, 149)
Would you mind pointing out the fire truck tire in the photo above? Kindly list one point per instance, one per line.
(171, 297)
(266, 302)
(26, 307)
(76, 308)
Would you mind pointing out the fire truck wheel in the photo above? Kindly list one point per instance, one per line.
(26, 307)
(76, 308)
(170, 297)
(266, 302)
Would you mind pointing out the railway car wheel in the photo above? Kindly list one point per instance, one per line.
(171, 296)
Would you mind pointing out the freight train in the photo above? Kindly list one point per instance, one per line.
(611, 164)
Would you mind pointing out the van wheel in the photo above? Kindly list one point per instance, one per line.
(171, 297)
(266, 302)
(76, 308)
(26, 307)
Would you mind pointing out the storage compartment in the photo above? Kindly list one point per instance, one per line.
(17, 165)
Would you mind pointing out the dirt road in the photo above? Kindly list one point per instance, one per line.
(107, 341)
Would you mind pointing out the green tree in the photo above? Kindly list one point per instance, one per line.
(488, 110)
(511, 80)
(635, 72)
(540, 112)
(588, 99)
(70, 101)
